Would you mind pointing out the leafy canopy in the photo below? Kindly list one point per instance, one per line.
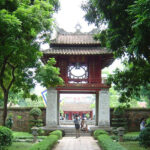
(22, 22)
(128, 35)
(48, 75)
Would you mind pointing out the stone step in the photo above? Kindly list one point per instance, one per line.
(74, 134)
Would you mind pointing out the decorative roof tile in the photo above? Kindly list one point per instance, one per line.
(77, 51)
(75, 39)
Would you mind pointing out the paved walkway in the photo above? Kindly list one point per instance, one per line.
(81, 143)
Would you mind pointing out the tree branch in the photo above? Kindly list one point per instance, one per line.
(2, 74)
(13, 75)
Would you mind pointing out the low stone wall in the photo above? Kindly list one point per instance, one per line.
(133, 116)
(22, 123)
(21, 117)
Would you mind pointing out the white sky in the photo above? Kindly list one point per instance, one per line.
(68, 16)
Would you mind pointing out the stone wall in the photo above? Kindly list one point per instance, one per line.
(133, 116)
(21, 118)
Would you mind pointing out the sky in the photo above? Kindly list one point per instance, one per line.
(69, 15)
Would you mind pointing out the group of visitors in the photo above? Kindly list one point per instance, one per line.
(80, 124)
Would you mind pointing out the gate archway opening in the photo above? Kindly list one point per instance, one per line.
(83, 105)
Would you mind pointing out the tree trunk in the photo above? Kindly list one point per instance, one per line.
(5, 107)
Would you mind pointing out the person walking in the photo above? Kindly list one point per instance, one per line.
(142, 124)
(77, 126)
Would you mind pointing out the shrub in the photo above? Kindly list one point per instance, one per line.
(37, 123)
(46, 144)
(126, 138)
(148, 122)
(99, 132)
(144, 137)
(6, 137)
(107, 143)
(9, 121)
(120, 110)
(35, 112)
(57, 133)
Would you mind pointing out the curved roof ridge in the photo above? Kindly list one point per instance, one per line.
(76, 38)
(62, 31)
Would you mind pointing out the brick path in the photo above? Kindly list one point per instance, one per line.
(81, 143)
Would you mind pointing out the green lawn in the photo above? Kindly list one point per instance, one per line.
(25, 135)
(20, 146)
(132, 134)
(22, 134)
(133, 146)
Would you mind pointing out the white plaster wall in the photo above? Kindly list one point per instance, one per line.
(104, 109)
(51, 110)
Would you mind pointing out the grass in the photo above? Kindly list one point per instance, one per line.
(25, 135)
(132, 134)
(133, 146)
(22, 134)
(20, 146)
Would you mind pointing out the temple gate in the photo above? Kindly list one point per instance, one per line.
(80, 59)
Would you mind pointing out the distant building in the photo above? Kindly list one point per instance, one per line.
(77, 106)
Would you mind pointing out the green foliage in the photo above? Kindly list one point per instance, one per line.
(99, 132)
(48, 75)
(46, 144)
(9, 121)
(20, 146)
(21, 134)
(132, 145)
(36, 122)
(148, 122)
(58, 133)
(144, 137)
(107, 143)
(130, 136)
(19, 117)
(6, 137)
(21, 23)
(127, 34)
(87, 115)
(35, 112)
(120, 110)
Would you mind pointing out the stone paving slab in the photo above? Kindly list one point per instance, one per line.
(81, 143)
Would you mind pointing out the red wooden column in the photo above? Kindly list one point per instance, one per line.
(91, 115)
(70, 115)
(63, 65)
(94, 64)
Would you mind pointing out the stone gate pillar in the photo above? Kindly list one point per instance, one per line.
(104, 109)
(51, 110)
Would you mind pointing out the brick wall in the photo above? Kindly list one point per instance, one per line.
(133, 116)
(23, 123)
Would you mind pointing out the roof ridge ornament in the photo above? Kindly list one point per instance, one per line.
(78, 28)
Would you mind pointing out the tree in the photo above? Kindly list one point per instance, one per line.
(48, 75)
(127, 35)
(21, 22)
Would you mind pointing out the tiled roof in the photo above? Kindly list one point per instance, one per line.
(74, 39)
(77, 51)
(76, 107)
